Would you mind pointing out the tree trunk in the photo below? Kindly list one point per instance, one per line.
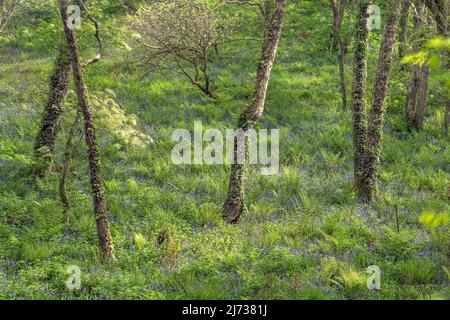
(376, 114)
(411, 100)
(234, 204)
(447, 117)
(422, 97)
(67, 162)
(338, 14)
(403, 32)
(342, 74)
(106, 242)
(417, 72)
(359, 92)
(130, 6)
(45, 139)
(440, 10)
(336, 23)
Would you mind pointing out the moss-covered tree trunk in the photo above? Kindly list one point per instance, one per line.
(376, 114)
(359, 92)
(234, 203)
(106, 241)
(45, 140)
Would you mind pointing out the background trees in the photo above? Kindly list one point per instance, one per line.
(8, 8)
(181, 36)
(418, 87)
(417, 95)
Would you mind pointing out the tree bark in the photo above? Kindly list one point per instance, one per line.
(359, 92)
(45, 139)
(422, 100)
(106, 242)
(234, 204)
(376, 114)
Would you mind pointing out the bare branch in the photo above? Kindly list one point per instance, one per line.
(99, 55)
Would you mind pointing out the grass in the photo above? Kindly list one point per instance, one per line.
(304, 236)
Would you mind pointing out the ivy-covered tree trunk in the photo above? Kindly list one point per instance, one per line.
(376, 114)
(359, 92)
(106, 241)
(45, 140)
(234, 204)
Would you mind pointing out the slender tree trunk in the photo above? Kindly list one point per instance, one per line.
(403, 32)
(376, 114)
(422, 100)
(359, 92)
(67, 162)
(347, 37)
(336, 23)
(342, 72)
(338, 14)
(447, 117)
(207, 80)
(417, 72)
(234, 204)
(106, 242)
(45, 139)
